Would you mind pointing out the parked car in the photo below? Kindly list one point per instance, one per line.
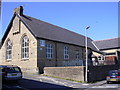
(113, 76)
(10, 72)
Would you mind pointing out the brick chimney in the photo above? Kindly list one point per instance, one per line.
(19, 10)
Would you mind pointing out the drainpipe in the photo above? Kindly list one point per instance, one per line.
(56, 54)
(117, 57)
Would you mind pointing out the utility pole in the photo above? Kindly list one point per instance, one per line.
(86, 67)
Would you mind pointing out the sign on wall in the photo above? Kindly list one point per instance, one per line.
(42, 43)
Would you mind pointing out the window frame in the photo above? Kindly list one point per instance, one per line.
(25, 48)
(101, 58)
(66, 52)
(8, 50)
(49, 51)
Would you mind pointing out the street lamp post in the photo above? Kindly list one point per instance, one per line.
(86, 53)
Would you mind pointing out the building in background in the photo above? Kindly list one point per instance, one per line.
(111, 50)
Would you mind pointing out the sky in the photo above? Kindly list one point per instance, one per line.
(102, 17)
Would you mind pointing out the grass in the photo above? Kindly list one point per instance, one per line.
(64, 78)
(34, 75)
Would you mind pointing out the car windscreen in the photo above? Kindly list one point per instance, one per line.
(114, 73)
(13, 69)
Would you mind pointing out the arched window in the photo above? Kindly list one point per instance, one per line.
(25, 47)
(9, 50)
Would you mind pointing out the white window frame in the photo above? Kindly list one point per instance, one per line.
(101, 58)
(9, 50)
(49, 51)
(66, 52)
(25, 48)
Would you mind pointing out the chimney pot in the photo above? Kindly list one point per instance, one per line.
(19, 10)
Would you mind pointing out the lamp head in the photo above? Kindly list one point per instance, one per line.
(87, 27)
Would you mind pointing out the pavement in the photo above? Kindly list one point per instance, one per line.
(58, 81)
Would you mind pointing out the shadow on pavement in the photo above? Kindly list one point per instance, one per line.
(28, 84)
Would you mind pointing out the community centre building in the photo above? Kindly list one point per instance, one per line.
(33, 44)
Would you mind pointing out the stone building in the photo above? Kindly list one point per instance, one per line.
(33, 44)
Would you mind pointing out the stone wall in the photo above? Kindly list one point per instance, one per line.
(95, 73)
(74, 73)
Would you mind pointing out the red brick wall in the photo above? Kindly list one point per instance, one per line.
(110, 60)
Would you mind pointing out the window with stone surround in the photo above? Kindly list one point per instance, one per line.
(66, 52)
(8, 50)
(25, 47)
(49, 51)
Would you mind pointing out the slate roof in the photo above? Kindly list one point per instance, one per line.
(49, 31)
(108, 43)
(44, 30)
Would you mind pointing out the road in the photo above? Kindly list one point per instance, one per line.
(112, 85)
(37, 82)
(29, 84)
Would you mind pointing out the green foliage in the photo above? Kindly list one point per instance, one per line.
(65, 78)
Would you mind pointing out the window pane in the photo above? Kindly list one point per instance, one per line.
(49, 51)
(66, 53)
(25, 47)
(9, 50)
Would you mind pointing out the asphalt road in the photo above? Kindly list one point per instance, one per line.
(43, 82)
(26, 84)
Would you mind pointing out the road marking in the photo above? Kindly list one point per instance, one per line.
(41, 80)
(104, 87)
(17, 86)
(85, 84)
(20, 87)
